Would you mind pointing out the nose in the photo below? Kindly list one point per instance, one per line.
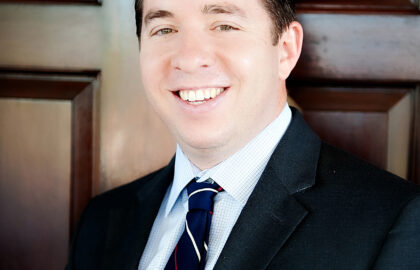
(193, 53)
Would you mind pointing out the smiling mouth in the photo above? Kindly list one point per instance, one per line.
(199, 96)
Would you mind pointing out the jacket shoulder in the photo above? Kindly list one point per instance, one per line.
(343, 169)
(120, 195)
(106, 213)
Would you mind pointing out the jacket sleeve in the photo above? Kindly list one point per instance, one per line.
(81, 255)
(401, 249)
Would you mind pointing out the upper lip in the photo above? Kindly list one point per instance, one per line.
(195, 88)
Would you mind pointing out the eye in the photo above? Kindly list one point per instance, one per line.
(163, 31)
(225, 28)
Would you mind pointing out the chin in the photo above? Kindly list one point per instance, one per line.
(203, 141)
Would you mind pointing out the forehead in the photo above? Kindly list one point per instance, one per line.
(187, 6)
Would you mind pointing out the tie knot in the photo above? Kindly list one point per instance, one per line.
(200, 195)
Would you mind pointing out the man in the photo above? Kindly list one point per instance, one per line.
(279, 198)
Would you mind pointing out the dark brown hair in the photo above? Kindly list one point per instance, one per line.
(282, 13)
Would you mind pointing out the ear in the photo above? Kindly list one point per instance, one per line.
(290, 47)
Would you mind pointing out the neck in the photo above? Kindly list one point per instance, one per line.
(207, 158)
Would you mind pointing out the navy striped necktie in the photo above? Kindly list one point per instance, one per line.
(191, 250)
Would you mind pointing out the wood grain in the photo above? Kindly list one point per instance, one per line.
(361, 118)
(363, 134)
(89, 2)
(360, 48)
(77, 89)
(415, 145)
(35, 165)
(347, 98)
(359, 6)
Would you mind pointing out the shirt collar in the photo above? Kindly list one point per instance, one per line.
(238, 174)
(182, 176)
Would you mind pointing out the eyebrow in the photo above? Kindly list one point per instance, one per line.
(223, 9)
(207, 9)
(155, 14)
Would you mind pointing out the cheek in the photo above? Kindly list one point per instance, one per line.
(237, 60)
(248, 57)
(253, 70)
(151, 73)
(145, 67)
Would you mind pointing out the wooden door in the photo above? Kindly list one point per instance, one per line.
(45, 164)
(357, 81)
(74, 120)
(357, 84)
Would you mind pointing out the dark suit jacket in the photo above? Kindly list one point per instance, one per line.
(315, 207)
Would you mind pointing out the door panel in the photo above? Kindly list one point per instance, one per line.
(358, 79)
(363, 134)
(46, 159)
(35, 167)
(360, 47)
(90, 2)
(400, 128)
(388, 6)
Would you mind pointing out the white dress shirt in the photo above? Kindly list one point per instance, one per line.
(237, 175)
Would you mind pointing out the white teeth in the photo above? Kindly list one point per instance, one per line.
(200, 95)
(191, 95)
(182, 95)
(207, 93)
(197, 102)
(213, 92)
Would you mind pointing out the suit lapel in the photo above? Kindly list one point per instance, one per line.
(272, 214)
(266, 222)
(130, 225)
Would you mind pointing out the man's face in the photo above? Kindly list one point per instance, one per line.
(210, 70)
